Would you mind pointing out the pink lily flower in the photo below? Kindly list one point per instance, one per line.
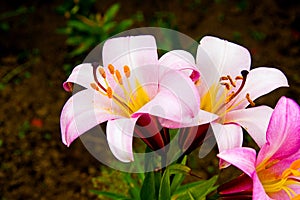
(275, 173)
(132, 83)
(227, 86)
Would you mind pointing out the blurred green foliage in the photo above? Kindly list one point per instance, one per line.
(86, 27)
(5, 25)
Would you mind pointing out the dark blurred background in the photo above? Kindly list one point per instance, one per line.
(40, 43)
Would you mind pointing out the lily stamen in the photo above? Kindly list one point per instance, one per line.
(249, 99)
(126, 71)
(239, 78)
(102, 72)
(119, 77)
(231, 81)
(111, 69)
(227, 86)
(223, 78)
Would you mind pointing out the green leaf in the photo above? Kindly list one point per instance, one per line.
(165, 190)
(125, 24)
(148, 187)
(178, 178)
(195, 190)
(79, 25)
(134, 188)
(179, 168)
(111, 12)
(110, 195)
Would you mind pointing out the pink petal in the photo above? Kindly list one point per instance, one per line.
(217, 57)
(81, 75)
(228, 136)
(182, 61)
(258, 189)
(261, 81)
(254, 120)
(283, 132)
(241, 157)
(134, 51)
(119, 136)
(278, 168)
(80, 114)
(177, 98)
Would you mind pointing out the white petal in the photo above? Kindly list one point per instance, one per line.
(254, 120)
(119, 136)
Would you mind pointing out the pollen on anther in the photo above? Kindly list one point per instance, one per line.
(239, 78)
(126, 71)
(109, 92)
(231, 81)
(119, 77)
(111, 68)
(102, 72)
(249, 99)
(226, 85)
(223, 78)
(94, 86)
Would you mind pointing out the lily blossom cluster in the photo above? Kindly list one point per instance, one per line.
(134, 87)
(275, 172)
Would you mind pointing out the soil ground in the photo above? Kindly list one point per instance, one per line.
(34, 164)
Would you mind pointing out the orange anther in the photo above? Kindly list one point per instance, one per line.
(119, 77)
(102, 72)
(239, 78)
(223, 78)
(111, 68)
(126, 71)
(94, 86)
(249, 100)
(226, 85)
(109, 92)
(231, 81)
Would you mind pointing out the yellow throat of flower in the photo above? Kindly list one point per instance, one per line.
(131, 100)
(222, 103)
(284, 182)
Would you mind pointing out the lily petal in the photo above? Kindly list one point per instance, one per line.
(182, 61)
(217, 57)
(80, 114)
(254, 120)
(120, 136)
(134, 51)
(283, 131)
(228, 136)
(81, 75)
(242, 157)
(261, 81)
(177, 98)
(258, 189)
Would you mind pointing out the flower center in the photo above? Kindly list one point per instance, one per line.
(127, 99)
(290, 177)
(221, 97)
